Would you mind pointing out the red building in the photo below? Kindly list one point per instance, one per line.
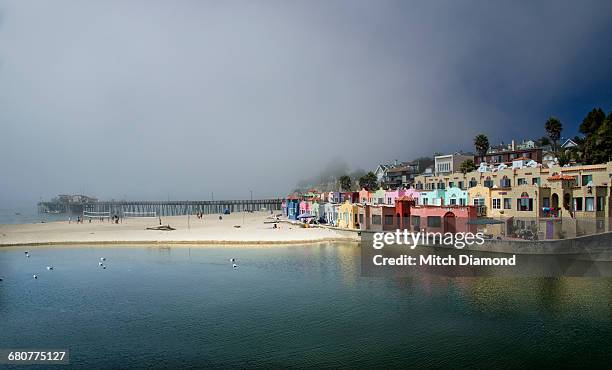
(443, 219)
(402, 211)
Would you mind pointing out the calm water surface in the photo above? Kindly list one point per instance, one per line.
(290, 306)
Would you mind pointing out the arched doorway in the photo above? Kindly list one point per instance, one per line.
(449, 223)
(555, 201)
(566, 201)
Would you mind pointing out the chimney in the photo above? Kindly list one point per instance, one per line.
(512, 147)
(395, 162)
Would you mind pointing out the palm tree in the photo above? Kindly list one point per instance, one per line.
(481, 143)
(553, 128)
(345, 182)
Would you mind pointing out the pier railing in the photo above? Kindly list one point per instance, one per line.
(171, 208)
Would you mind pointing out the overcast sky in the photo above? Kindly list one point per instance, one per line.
(179, 99)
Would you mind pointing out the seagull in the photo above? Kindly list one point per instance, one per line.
(49, 268)
(27, 255)
(102, 259)
(232, 260)
(26, 252)
(100, 264)
(103, 267)
(35, 276)
(234, 265)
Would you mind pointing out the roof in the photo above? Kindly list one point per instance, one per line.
(569, 143)
(402, 168)
(560, 177)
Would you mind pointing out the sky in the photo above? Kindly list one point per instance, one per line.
(182, 99)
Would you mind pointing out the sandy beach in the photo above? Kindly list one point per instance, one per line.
(208, 230)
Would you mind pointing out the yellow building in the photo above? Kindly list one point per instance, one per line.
(480, 197)
(532, 192)
(348, 216)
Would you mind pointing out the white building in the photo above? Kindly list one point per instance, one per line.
(450, 163)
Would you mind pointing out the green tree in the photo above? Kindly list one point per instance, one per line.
(467, 166)
(368, 181)
(553, 129)
(345, 182)
(481, 143)
(596, 130)
(543, 141)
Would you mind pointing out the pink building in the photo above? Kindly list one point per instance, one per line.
(392, 195)
(365, 196)
(443, 219)
(305, 207)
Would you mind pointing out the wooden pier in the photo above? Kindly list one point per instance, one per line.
(170, 208)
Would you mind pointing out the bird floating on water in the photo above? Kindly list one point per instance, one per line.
(234, 265)
(103, 267)
(232, 260)
(49, 268)
(35, 276)
(100, 264)
(102, 259)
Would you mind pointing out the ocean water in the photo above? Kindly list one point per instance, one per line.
(28, 215)
(298, 306)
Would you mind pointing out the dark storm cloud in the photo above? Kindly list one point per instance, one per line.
(181, 99)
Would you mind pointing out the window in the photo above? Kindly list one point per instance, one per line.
(434, 221)
(546, 202)
(451, 184)
(586, 179)
(535, 181)
(496, 203)
(462, 185)
(589, 204)
(525, 203)
(376, 219)
(473, 182)
(424, 200)
(388, 219)
(361, 218)
(488, 182)
(507, 203)
(577, 204)
(505, 182)
(453, 202)
(416, 221)
(522, 181)
(479, 202)
(462, 201)
(600, 203)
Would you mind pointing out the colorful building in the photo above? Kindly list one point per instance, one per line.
(447, 219)
(292, 207)
(378, 197)
(331, 213)
(382, 218)
(305, 207)
(456, 197)
(365, 196)
(432, 198)
(347, 215)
